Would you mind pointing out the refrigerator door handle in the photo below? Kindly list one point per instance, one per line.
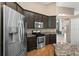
(23, 31)
(19, 32)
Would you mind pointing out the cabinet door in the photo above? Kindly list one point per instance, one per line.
(31, 20)
(29, 17)
(47, 39)
(40, 18)
(45, 21)
(11, 4)
(19, 9)
(52, 21)
(52, 38)
(26, 14)
(36, 17)
(31, 43)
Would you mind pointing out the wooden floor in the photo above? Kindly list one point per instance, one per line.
(45, 51)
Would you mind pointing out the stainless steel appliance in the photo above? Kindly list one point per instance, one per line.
(38, 24)
(40, 41)
(13, 32)
(40, 38)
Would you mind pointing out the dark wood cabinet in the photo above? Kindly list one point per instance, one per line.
(19, 9)
(31, 20)
(38, 17)
(11, 4)
(31, 43)
(14, 6)
(45, 21)
(47, 39)
(48, 21)
(29, 17)
(50, 39)
(52, 22)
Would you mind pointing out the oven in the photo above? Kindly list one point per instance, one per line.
(40, 41)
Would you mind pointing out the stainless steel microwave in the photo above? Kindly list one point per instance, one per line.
(38, 24)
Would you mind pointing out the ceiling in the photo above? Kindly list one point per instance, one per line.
(74, 5)
(46, 8)
(46, 3)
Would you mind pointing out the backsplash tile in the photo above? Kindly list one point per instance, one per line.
(42, 30)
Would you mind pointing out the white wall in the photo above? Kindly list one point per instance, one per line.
(75, 30)
(68, 32)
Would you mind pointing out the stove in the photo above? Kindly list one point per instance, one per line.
(40, 38)
(40, 42)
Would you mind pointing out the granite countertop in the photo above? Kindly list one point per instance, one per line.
(43, 31)
(30, 35)
(46, 33)
(66, 49)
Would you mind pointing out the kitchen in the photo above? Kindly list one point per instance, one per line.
(37, 31)
(45, 30)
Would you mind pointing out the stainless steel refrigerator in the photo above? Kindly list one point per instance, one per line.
(13, 33)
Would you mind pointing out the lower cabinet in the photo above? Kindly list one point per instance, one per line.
(31, 43)
(47, 39)
(50, 39)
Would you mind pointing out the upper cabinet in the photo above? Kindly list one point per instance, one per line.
(45, 21)
(19, 9)
(29, 17)
(52, 22)
(11, 4)
(37, 17)
(32, 17)
(15, 6)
